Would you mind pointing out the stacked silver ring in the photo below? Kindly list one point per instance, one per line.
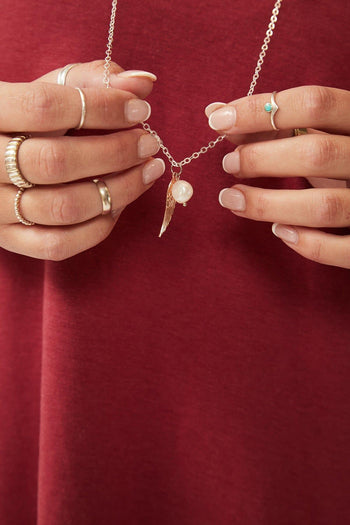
(62, 75)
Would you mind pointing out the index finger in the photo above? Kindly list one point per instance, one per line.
(44, 107)
(302, 107)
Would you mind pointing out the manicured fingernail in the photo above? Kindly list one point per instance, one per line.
(232, 199)
(212, 107)
(231, 162)
(137, 110)
(223, 118)
(152, 170)
(147, 146)
(137, 73)
(286, 233)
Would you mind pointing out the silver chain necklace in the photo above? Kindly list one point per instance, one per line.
(175, 166)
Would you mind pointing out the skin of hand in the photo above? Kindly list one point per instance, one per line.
(322, 156)
(67, 210)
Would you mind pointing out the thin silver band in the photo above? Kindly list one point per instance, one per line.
(274, 110)
(62, 75)
(83, 108)
(11, 162)
(19, 216)
(105, 196)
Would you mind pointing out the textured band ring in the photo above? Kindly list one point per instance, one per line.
(19, 216)
(62, 75)
(83, 108)
(11, 162)
(105, 196)
(299, 131)
(272, 108)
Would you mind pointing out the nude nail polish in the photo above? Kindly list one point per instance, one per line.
(137, 110)
(232, 199)
(231, 162)
(212, 107)
(286, 233)
(223, 118)
(152, 170)
(136, 73)
(147, 146)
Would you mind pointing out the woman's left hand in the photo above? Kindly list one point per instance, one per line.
(324, 153)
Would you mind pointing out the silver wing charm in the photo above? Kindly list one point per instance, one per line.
(169, 207)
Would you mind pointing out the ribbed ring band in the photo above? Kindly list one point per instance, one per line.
(11, 162)
(19, 216)
(83, 108)
(62, 75)
(105, 196)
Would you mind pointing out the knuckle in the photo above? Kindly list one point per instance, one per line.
(63, 208)
(320, 153)
(254, 108)
(97, 66)
(128, 194)
(124, 147)
(330, 209)
(261, 205)
(318, 100)
(316, 251)
(249, 159)
(38, 101)
(55, 247)
(101, 101)
(51, 161)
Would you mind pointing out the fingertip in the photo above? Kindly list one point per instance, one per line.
(212, 107)
(139, 86)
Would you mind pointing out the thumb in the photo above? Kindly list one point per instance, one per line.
(91, 74)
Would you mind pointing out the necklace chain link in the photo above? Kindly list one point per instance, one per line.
(146, 127)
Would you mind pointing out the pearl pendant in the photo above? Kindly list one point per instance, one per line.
(182, 191)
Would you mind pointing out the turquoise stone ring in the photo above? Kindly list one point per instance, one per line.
(272, 108)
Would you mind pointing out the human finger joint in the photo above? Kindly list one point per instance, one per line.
(260, 205)
(330, 210)
(317, 100)
(55, 247)
(319, 153)
(50, 161)
(249, 159)
(63, 208)
(39, 103)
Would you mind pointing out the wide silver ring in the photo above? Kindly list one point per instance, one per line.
(18, 213)
(83, 108)
(11, 162)
(62, 75)
(105, 196)
(272, 108)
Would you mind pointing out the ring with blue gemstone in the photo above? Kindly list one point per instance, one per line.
(272, 108)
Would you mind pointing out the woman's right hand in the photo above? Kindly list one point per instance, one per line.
(67, 210)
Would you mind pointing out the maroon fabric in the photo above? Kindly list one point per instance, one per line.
(203, 377)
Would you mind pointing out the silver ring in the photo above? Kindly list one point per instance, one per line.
(11, 162)
(19, 216)
(272, 108)
(105, 196)
(62, 75)
(83, 108)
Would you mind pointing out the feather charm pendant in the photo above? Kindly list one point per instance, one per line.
(178, 191)
(169, 207)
